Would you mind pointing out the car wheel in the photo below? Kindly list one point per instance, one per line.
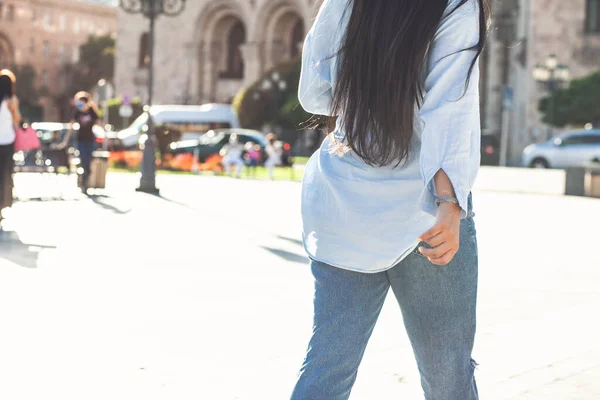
(539, 163)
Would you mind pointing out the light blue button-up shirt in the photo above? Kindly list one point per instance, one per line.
(365, 218)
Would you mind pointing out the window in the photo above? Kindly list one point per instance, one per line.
(62, 23)
(33, 15)
(592, 139)
(44, 78)
(573, 139)
(75, 55)
(592, 16)
(144, 53)
(235, 61)
(61, 50)
(46, 49)
(77, 26)
(47, 20)
(10, 13)
(91, 28)
(32, 46)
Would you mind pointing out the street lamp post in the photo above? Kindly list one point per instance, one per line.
(151, 9)
(552, 75)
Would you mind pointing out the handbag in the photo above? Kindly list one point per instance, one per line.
(26, 139)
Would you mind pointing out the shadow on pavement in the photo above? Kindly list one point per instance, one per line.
(15, 251)
(297, 242)
(286, 255)
(102, 202)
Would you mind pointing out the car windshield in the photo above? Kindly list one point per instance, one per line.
(139, 122)
(211, 137)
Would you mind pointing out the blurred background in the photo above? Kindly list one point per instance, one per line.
(163, 278)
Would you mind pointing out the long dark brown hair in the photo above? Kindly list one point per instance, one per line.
(6, 88)
(381, 59)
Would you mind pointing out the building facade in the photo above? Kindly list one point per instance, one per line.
(532, 31)
(217, 46)
(46, 34)
(212, 49)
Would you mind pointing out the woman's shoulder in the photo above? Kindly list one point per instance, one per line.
(12, 102)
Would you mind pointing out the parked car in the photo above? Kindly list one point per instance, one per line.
(570, 149)
(175, 123)
(490, 150)
(213, 141)
(45, 131)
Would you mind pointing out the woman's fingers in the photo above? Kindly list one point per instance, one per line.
(436, 230)
(436, 252)
(437, 240)
(444, 259)
(444, 244)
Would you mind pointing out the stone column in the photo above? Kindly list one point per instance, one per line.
(253, 65)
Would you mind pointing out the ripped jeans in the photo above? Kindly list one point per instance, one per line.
(438, 307)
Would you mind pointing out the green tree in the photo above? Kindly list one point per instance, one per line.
(97, 61)
(256, 107)
(27, 92)
(578, 104)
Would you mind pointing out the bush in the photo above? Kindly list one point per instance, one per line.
(575, 105)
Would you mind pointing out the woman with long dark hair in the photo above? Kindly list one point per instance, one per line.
(386, 200)
(10, 118)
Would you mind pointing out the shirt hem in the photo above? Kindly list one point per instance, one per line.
(362, 271)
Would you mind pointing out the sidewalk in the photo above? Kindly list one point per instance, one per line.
(186, 296)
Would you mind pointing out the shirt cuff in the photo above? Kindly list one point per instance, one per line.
(429, 195)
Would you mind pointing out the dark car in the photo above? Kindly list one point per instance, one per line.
(212, 142)
(490, 150)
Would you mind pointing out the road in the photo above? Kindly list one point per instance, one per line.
(205, 293)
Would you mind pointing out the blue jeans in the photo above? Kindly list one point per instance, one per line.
(438, 307)
(86, 149)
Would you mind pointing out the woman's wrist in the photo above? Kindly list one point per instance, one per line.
(449, 208)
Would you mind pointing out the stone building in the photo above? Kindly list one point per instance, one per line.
(528, 31)
(217, 46)
(213, 48)
(48, 33)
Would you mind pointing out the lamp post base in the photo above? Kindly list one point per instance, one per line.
(149, 189)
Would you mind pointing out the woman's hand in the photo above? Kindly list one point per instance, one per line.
(444, 237)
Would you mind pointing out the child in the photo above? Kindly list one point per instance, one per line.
(252, 157)
(274, 151)
(232, 155)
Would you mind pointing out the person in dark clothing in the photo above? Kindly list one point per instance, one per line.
(84, 119)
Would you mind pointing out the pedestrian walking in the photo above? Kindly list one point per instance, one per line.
(10, 118)
(83, 120)
(386, 199)
(274, 150)
(232, 154)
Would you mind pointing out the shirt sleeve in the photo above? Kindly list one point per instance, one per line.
(315, 89)
(450, 137)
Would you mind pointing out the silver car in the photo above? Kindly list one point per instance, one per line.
(570, 149)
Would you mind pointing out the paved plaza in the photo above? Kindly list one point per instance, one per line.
(204, 293)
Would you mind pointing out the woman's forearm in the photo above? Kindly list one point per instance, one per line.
(443, 185)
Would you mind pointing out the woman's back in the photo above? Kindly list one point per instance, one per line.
(364, 208)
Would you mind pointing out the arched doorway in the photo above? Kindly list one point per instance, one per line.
(234, 62)
(297, 39)
(283, 33)
(221, 67)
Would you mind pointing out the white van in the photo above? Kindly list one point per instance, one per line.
(174, 123)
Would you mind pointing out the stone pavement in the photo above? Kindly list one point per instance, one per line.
(204, 293)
